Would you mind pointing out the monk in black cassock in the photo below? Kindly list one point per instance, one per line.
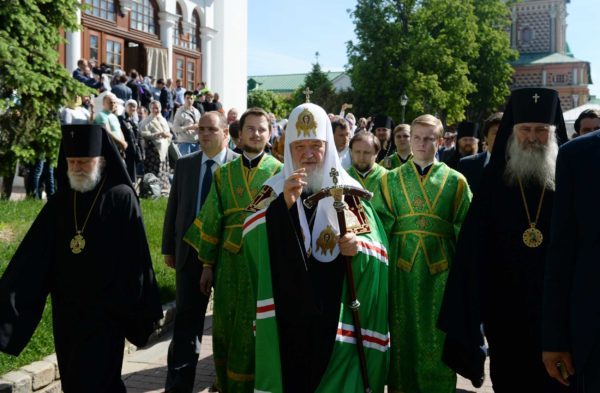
(87, 249)
(382, 128)
(467, 144)
(498, 274)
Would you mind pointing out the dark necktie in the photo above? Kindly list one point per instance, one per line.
(206, 182)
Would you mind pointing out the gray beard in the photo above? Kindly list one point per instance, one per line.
(535, 166)
(84, 182)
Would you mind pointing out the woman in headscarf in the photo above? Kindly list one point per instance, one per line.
(155, 131)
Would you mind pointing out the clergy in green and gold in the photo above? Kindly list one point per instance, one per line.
(422, 206)
(403, 152)
(217, 236)
(364, 147)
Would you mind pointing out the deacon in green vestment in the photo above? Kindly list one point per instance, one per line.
(305, 335)
(422, 206)
(403, 153)
(217, 236)
(364, 147)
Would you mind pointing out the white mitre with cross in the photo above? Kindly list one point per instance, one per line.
(309, 122)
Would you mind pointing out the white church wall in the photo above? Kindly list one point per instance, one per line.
(230, 72)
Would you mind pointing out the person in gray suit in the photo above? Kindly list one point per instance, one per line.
(191, 183)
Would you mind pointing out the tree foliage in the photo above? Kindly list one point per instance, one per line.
(269, 101)
(431, 50)
(33, 85)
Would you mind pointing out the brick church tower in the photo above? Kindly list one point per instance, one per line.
(538, 32)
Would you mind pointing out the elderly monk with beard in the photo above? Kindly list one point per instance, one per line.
(305, 340)
(498, 277)
(87, 249)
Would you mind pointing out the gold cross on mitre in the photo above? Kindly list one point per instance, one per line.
(536, 97)
(307, 92)
(333, 173)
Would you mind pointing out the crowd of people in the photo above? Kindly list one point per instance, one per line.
(343, 255)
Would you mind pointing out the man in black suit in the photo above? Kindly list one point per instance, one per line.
(472, 166)
(190, 187)
(571, 314)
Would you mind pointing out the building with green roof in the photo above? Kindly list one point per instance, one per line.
(286, 84)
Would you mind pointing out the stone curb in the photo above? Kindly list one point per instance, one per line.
(43, 376)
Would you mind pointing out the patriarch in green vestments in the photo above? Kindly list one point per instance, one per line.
(422, 205)
(217, 236)
(305, 335)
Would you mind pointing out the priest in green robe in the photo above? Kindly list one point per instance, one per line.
(217, 236)
(422, 205)
(403, 154)
(305, 335)
(364, 147)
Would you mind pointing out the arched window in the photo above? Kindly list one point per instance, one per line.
(104, 9)
(143, 16)
(178, 29)
(195, 39)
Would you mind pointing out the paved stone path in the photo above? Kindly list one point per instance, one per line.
(145, 370)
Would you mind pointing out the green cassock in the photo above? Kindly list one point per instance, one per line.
(422, 219)
(394, 161)
(372, 180)
(217, 236)
(370, 268)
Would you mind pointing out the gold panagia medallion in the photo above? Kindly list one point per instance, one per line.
(326, 240)
(532, 237)
(306, 124)
(77, 244)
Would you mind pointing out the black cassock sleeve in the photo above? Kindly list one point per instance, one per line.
(25, 284)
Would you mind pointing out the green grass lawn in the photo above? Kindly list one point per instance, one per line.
(15, 220)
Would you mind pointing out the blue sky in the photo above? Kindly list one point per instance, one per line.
(283, 35)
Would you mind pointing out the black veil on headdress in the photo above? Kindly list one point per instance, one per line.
(460, 315)
(90, 140)
(528, 105)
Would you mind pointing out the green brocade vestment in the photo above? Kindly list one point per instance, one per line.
(217, 236)
(373, 179)
(422, 218)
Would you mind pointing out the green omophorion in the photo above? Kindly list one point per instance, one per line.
(422, 217)
(217, 236)
(371, 280)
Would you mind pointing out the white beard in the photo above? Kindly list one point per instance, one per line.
(84, 182)
(314, 180)
(534, 166)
